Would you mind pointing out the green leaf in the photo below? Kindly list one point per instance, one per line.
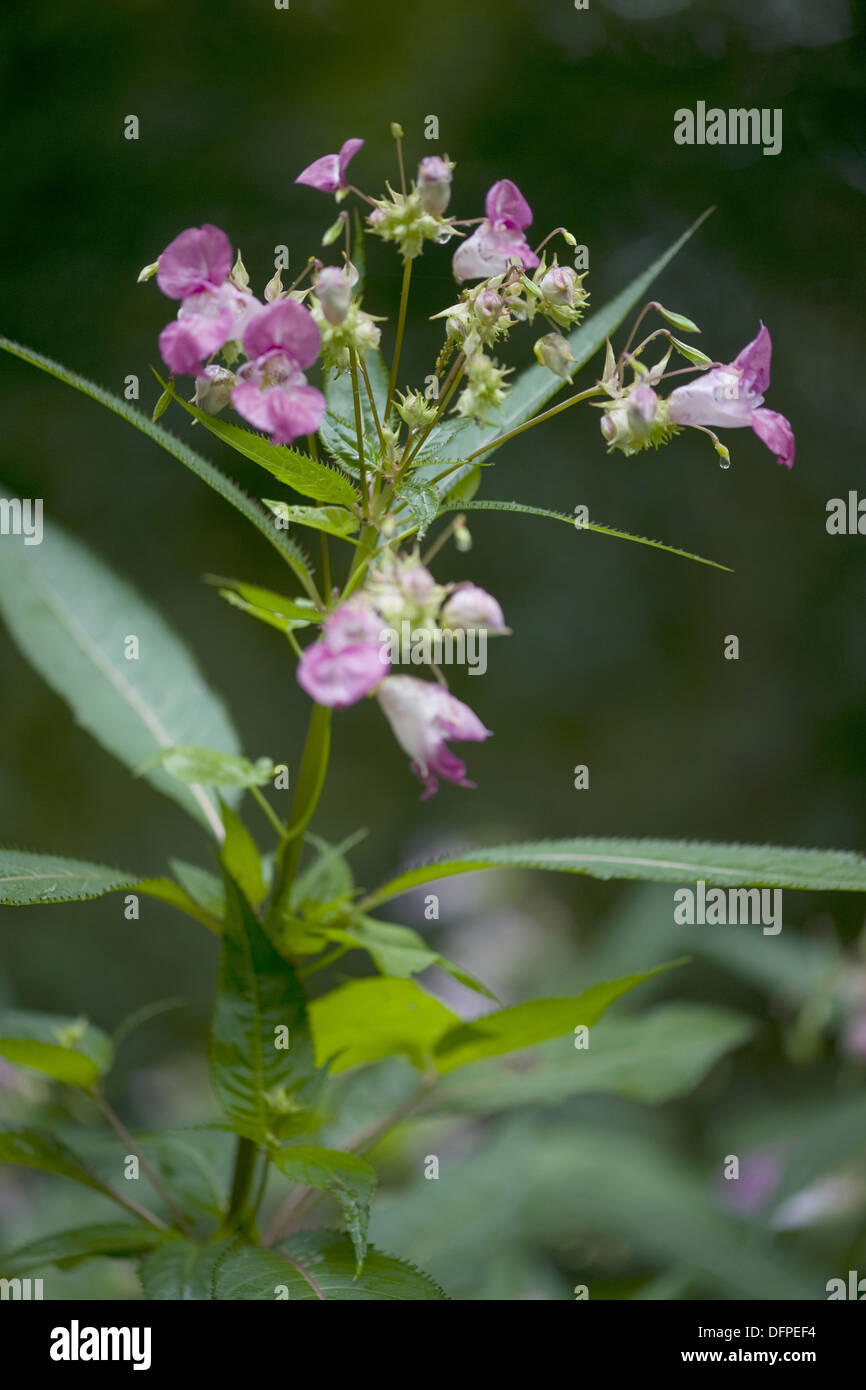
(71, 617)
(314, 766)
(202, 467)
(297, 612)
(167, 891)
(120, 1240)
(400, 952)
(692, 354)
(660, 861)
(341, 406)
(350, 1178)
(524, 1025)
(26, 1148)
(261, 1054)
(327, 878)
(364, 1020)
(318, 1265)
(206, 888)
(210, 768)
(468, 505)
(181, 1271)
(334, 521)
(298, 471)
(267, 614)
(654, 1057)
(536, 385)
(26, 877)
(241, 858)
(422, 499)
(67, 1049)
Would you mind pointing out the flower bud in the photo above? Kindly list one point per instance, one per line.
(333, 288)
(414, 410)
(434, 184)
(213, 389)
(559, 285)
(642, 406)
(488, 306)
(471, 607)
(553, 351)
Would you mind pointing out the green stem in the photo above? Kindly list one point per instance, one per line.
(536, 420)
(269, 811)
(126, 1138)
(311, 780)
(359, 432)
(398, 346)
(240, 1212)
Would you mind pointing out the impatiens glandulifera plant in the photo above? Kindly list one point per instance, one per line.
(374, 470)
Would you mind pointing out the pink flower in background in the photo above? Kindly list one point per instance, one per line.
(348, 661)
(499, 240)
(423, 715)
(272, 391)
(472, 607)
(329, 172)
(732, 397)
(434, 184)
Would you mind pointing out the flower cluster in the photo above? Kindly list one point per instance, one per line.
(254, 354)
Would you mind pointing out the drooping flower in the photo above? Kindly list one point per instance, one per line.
(732, 397)
(423, 715)
(349, 659)
(329, 173)
(472, 607)
(499, 239)
(333, 288)
(434, 183)
(272, 391)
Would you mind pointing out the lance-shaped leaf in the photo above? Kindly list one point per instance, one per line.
(524, 1025)
(117, 1239)
(653, 1057)
(351, 1179)
(537, 385)
(201, 467)
(297, 470)
(207, 766)
(241, 858)
(261, 1054)
(165, 890)
(27, 1148)
(76, 621)
(27, 877)
(318, 1265)
(401, 952)
(660, 861)
(70, 1050)
(468, 505)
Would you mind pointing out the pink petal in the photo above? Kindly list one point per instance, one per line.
(323, 174)
(294, 411)
(717, 399)
(340, 679)
(348, 151)
(506, 203)
(286, 326)
(775, 431)
(198, 259)
(754, 363)
(489, 251)
(186, 343)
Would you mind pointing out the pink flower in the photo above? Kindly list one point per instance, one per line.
(349, 660)
(472, 607)
(206, 321)
(422, 716)
(499, 240)
(333, 289)
(732, 397)
(329, 172)
(198, 259)
(272, 391)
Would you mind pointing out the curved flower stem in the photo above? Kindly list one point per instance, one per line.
(259, 796)
(156, 1181)
(398, 346)
(536, 420)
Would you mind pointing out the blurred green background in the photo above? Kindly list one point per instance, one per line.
(616, 659)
